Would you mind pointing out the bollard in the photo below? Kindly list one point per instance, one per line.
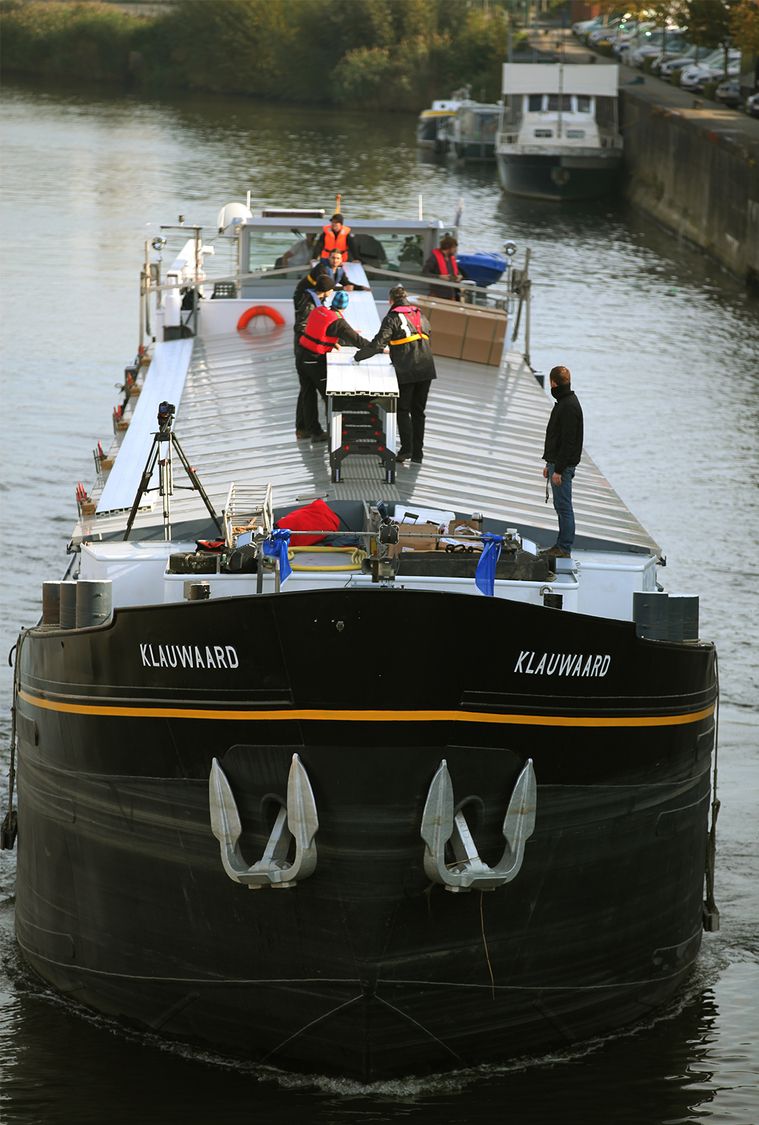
(51, 603)
(197, 591)
(94, 601)
(68, 604)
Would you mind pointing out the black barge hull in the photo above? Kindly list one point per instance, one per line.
(365, 968)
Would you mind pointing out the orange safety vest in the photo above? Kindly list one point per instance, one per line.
(414, 317)
(443, 268)
(315, 338)
(334, 241)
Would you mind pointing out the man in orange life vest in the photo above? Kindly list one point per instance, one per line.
(335, 236)
(325, 329)
(442, 263)
(407, 332)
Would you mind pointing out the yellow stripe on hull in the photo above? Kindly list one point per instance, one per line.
(309, 714)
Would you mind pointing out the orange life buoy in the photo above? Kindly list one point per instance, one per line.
(260, 310)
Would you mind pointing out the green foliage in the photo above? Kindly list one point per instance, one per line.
(389, 54)
(744, 25)
(709, 21)
(89, 40)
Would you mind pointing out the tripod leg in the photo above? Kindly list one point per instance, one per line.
(196, 483)
(147, 473)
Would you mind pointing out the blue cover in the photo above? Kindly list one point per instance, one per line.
(481, 268)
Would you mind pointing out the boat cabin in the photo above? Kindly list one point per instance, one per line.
(567, 105)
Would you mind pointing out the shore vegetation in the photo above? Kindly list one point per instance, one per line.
(380, 54)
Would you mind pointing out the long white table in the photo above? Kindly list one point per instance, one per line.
(373, 379)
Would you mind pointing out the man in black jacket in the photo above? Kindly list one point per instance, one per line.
(407, 332)
(562, 452)
(323, 331)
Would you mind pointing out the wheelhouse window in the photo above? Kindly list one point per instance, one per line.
(583, 103)
(534, 103)
(560, 101)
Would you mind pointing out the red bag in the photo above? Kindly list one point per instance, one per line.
(316, 516)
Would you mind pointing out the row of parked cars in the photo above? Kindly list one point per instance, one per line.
(667, 53)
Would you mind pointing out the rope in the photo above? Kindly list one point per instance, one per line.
(485, 946)
(354, 558)
(9, 825)
(711, 911)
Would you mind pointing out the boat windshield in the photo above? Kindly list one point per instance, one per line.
(387, 249)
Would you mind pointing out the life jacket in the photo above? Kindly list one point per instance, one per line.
(334, 241)
(411, 319)
(444, 269)
(315, 338)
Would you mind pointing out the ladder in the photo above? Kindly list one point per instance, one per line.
(247, 508)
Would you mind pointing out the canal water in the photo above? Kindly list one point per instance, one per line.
(664, 349)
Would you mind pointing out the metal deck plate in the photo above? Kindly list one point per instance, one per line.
(483, 445)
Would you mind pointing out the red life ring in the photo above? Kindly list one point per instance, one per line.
(260, 310)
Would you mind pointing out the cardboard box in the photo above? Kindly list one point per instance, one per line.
(478, 341)
(463, 533)
(415, 537)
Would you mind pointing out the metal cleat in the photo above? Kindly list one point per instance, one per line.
(297, 821)
(440, 825)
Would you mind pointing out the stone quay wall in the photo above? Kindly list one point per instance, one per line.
(695, 169)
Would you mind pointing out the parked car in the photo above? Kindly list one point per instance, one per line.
(694, 54)
(651, 45)
(584, 27)
(630, 38)
(694, 78)
(729, 92)
(752, 105)
(683, 50)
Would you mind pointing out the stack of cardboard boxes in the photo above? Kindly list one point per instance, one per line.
(430, 536)
(468, 332)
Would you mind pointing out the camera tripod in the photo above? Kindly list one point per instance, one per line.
(166, 436)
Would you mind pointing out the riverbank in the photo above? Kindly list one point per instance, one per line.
(690, 164)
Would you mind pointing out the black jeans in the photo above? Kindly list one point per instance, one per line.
(411, 417)
(312, 375)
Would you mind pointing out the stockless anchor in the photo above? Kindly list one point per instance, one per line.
(441, 825)
(296, 820)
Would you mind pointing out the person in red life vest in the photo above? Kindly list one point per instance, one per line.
(336, 236)
(407, 332)
(324, 331)
(442, 263)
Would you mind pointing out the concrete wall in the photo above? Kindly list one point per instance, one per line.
(696, 170)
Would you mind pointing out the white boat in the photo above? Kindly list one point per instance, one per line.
(472, 130)
(559, 136)
(432, 123)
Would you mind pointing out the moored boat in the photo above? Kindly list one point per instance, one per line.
(431, 126)
(384, 723)
(472, 131)
(559, 136)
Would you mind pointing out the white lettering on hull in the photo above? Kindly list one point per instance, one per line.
(189, 656)
(531, 663)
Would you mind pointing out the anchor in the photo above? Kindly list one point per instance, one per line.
(440, 825)
(297, 820)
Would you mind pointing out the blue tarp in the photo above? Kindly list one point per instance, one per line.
(484, 576)
(277, 546)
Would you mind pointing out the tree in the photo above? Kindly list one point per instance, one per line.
(709, 24)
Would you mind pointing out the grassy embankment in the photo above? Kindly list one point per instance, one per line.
(381, 54)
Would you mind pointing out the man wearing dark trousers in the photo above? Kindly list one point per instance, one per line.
(562, 452)
(325, 329)
(407, 332)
